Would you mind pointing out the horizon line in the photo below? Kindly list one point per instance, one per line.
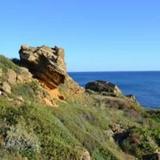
(114, 71)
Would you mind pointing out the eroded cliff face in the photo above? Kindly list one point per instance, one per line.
(48, 66)
(42, 70)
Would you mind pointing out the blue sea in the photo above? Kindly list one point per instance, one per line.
(144, 85)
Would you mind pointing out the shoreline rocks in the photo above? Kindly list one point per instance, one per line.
(104, 88)
(133, 98)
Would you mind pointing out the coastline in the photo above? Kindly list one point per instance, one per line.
(144, 85)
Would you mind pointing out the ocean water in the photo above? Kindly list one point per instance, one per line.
(144, 85)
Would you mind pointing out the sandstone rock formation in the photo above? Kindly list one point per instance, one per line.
(46, 64)
(104, 88)
(5, 87)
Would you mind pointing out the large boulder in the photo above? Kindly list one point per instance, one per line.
(103, 87)
(46, 64)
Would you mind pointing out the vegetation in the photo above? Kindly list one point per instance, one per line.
(40, 132)
(7, 64)
(34, 131)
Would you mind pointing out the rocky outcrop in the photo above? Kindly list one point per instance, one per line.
(111, 96)
(133, 98)
(5, 88)
(10, 78)
(104, 88)
(46, 64)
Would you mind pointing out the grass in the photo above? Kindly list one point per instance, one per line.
(89, 125)
(53, 131)
(37, 126)
(82, 123)
(28, 91)
(6, 64)
(40, 132)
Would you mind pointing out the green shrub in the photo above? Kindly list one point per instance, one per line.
(139, 142)
(28, 91)
(21, 139)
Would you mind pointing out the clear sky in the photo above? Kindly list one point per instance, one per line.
(98, 35)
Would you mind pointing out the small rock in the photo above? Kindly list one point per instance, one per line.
(6, 87)
(11, 76)
(48, 102)
(20, 98)
(116, 128)
(85, 156)
(19, 101)
(132, 98)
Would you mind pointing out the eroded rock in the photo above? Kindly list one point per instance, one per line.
(11, 76)
(6, 88)
(46, 64)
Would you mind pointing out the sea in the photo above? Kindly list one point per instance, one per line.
(144, 85)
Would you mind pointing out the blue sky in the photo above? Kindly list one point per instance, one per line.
(98, 35)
